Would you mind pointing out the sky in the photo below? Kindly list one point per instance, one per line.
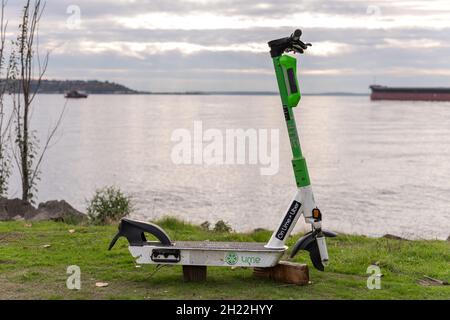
(221, 45)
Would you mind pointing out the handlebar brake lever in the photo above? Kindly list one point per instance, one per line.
(297, 48)
(303, 45)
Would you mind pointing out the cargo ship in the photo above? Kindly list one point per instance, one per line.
(409, 93)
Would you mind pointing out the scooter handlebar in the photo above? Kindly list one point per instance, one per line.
(288, 44)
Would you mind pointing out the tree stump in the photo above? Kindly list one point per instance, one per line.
(286, 272)
(194, 273)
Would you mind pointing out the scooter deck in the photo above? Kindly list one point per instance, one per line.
(208, 253)
(223, 246)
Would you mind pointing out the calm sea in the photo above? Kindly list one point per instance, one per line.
(376, 167)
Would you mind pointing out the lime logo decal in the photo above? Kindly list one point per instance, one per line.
(231, 258)
(251, 260)
(286, 113)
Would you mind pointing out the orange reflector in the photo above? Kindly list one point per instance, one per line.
(316, 213)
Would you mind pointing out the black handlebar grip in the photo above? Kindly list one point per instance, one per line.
(296, 35)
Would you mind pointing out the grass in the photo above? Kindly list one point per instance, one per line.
(30, 269)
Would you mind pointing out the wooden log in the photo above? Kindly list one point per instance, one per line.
(286, 272)
(194, 273)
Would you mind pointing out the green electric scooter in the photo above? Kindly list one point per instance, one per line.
(248, 254)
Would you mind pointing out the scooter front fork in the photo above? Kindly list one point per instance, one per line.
(314, 241)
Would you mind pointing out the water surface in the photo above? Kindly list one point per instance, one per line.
(376, 167)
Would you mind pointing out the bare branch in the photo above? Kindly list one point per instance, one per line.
(49, 139)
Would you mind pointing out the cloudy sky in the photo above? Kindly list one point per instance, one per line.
(178, 45)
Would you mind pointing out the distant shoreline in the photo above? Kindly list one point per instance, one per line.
(254, 93)
(47, 86)
(216, 93)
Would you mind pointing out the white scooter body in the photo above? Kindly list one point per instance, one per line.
(239, 254)
(207, 253)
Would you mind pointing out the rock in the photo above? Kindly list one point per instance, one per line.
(429, 281)
(448, 239)
(101, 284)
(57, 211)
(392, 237)
(16, 209)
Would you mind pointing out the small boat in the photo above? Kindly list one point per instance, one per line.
(75, 94)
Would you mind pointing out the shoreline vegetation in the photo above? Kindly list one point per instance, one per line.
(35, 257)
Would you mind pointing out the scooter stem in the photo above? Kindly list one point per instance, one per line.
(303, 201)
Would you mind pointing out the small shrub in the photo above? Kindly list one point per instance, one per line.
(222, 226)
(108, 205)
(205, 226)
